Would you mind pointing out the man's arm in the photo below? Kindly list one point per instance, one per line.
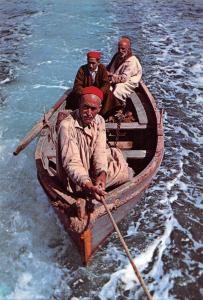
(70, 155)
(72, 163)
(131, 70)
(79, 82)
(101, 180)
(104, 79)
(99, 159)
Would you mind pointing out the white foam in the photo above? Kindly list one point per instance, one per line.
(37, 86)
(22, 289)
(128, 277)
(5, 80)
(44, 63)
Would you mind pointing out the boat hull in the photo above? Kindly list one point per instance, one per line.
(91, 233)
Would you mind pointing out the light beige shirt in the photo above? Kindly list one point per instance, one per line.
(93, 74)
(130, 73)
(80, 148)
(130, 69)
(82, 154)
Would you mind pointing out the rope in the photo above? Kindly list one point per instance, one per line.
(149, 297)
(119, 118)
(117, 133)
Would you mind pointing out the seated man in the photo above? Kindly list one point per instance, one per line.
(124, 71)
(91, 74)
(83, 162)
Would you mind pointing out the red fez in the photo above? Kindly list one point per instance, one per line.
(94, 54)
(93, 90)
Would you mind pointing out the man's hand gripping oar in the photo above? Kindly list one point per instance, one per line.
(97, 190)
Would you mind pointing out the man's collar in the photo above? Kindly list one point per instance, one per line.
(96, 70)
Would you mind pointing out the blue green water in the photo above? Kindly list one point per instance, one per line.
(42, 45)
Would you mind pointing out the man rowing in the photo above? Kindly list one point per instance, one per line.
(83, 161)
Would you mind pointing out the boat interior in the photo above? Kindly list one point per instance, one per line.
(135, 137)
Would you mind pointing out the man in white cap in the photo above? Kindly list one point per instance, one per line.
(124, 71)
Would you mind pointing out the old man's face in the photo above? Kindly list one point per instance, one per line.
(90, 105)
(92, 64)
(123, 48)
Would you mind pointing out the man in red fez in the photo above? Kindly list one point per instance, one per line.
(95, 74)
(84, 164)
(94, 54)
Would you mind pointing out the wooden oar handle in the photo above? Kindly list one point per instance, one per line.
(39, 126)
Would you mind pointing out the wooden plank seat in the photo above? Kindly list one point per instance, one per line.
(134, 154)
(126, 126)
(122, 144)
(141, 113)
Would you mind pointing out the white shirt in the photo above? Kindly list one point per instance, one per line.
(93, 74)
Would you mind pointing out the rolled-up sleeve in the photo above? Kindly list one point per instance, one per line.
(70, 155)
(133, 70)
(100, 154)
(130, 70)
(78, 83)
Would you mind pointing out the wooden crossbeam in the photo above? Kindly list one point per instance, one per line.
(134, 154)
(126, 126)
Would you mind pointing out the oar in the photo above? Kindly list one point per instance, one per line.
(39, 126)
(149, 297)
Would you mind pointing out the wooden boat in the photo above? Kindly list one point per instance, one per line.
(142, 142)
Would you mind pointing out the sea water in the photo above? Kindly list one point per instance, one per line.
(43, 43)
